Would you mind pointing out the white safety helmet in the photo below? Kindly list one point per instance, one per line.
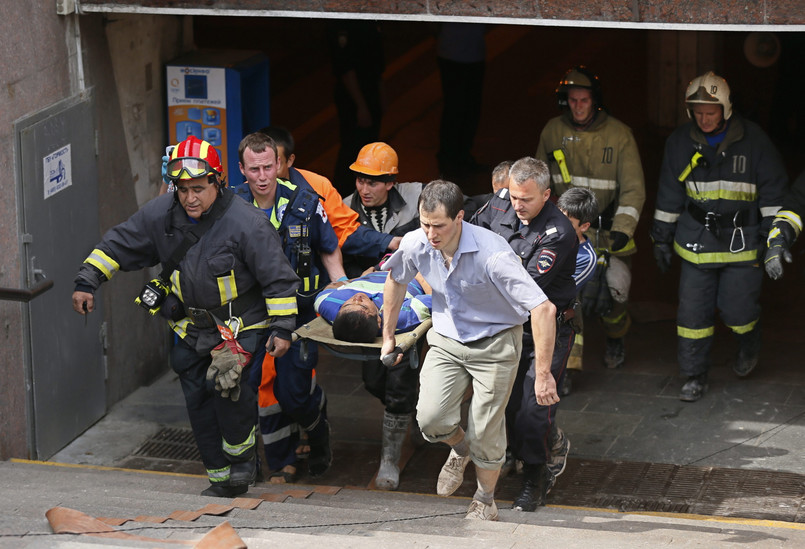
(707, 89)
(619, 279)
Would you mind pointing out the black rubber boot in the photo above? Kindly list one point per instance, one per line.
(321, 456)
(535, 488)
(225, 490)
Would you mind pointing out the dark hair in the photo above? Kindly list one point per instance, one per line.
(282, 137)
(258, 142)
(355, 326)
(580, 203)
(442, 193)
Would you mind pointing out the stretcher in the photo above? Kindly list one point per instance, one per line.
(321, 332)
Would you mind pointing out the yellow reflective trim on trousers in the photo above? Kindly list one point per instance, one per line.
(218, 475)
(716, 257)
(176, 287)
(745, 329)
(281, 306)
(227, 289)
(579, 339)
(690, 333)
(238, 449)
(103, 263)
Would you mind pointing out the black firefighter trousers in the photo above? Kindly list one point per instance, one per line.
(218, 422)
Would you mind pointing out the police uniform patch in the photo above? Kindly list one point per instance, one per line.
(545, 261)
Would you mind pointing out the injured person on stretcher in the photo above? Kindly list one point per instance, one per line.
(355, 309)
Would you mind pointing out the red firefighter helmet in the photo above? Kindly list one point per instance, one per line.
(193, 158)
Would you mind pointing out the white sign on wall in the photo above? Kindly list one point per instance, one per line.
(58, 171)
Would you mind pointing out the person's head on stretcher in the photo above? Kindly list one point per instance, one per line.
(358, 320)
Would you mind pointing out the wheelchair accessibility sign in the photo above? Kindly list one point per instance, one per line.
(57, 171)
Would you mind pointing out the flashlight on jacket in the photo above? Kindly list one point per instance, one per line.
(153, 295)
(559, 156)
(694, 161)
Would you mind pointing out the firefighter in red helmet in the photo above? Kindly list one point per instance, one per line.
(225, 288)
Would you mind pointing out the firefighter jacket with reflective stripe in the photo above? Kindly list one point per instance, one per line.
(717, 203)
(240, 251)
(403, 214)
(604, 159)
(305, 231)
(547, 246)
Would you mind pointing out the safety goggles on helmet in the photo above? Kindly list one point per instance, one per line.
(187, 167)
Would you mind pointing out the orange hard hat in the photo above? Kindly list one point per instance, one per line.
(376, 159)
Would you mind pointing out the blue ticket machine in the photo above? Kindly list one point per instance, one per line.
(218, 96)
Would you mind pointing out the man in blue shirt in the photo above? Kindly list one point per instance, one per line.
(286, 401)
(482, 295)
(354, 309)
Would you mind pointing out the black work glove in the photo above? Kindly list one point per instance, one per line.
(662, 255)
(781, 236)
(617, 240)
(775, 255)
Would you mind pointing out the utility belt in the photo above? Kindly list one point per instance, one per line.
(712, 220)
(206, 318)
(572, 317)
(736, 221)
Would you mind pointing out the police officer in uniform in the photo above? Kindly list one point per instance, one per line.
(289, 395)
(721, 183)
(545, 240)
(586, 147)
(233, 278)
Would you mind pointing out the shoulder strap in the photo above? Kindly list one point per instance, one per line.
(192, 236)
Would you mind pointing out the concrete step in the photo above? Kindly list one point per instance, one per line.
(303, 516)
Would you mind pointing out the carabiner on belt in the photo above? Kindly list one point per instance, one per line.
(233, 320)
(737, 232)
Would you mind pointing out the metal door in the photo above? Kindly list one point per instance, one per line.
(59, 225)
